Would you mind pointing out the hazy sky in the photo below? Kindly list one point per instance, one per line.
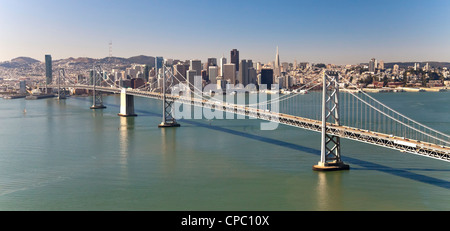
(328, 31)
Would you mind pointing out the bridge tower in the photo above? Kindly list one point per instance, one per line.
(168, 120)
(330, 157)
(97, 95)
(61, 94)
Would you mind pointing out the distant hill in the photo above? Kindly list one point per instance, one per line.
(142, 59)
(24, 60)
(19, 62)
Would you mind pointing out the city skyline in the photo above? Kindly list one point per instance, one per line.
(344, 32)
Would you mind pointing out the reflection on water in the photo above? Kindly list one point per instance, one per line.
(126, 129)
(329, 191)
(169, 149)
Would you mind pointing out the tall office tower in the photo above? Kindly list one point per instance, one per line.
(252, 75)
(277, 65)
(210, 62)
(222, 61)
(249, 63)
(235, 58)
(243, 73)
(213, 73)
(146, 72)
(190, 75)
(267, 77)
(179, 71)
(196, 65)
(48, 69)
(372, 65)
(229, 73)
(158, 63)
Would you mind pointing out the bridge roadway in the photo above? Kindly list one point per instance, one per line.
(397, 143)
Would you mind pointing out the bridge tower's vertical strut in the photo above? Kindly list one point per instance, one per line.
(97, 95)
(168, 120)
(330, 157)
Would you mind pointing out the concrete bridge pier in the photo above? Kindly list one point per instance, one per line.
(126, 104)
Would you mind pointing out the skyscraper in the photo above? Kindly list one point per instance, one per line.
(190, 77)
(196, 65)
(267, 77)
(213, 71)
(277, 64)
(372, 65)
(179, 71)
(158, 63)
(212, 62)
(229, 72)
(222, 61)
(235, 58)
(48, 69)
(243, 73)
(251, 75)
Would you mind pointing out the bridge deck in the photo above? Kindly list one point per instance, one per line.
(380, 139)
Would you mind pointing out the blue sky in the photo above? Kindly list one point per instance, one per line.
(327, 31)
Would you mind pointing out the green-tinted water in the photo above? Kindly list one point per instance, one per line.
(64, 156)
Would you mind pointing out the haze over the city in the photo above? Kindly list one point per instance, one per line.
(324, 31)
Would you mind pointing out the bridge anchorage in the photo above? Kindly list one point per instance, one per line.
(167, 120)
(330, 153)
(97, 95)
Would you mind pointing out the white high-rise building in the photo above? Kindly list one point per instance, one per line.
(222, 62)
(277, 66)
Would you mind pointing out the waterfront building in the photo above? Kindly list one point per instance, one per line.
(23, 87)
(48, 69)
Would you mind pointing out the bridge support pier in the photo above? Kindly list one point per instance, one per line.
(126, 104)
(330, 157)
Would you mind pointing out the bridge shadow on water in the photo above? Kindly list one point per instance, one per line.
(365, 165)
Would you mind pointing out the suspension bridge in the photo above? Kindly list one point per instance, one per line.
(354, 115)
